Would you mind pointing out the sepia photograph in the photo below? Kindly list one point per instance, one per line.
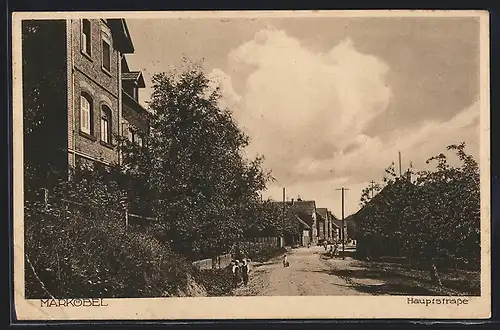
(199, 165)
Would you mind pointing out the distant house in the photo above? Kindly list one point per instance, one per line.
(306, 211)
(324, 228)
(303, 236)
(337, 223)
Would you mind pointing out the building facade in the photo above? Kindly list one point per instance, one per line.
(85, 58)
(103, 101)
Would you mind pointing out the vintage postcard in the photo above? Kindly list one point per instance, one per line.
(251, 165)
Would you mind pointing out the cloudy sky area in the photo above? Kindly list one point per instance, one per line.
(330, 101)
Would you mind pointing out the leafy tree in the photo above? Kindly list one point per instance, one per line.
(193, 165)
(44, 103)
(432, 217)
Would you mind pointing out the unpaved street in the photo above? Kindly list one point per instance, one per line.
(308, 274)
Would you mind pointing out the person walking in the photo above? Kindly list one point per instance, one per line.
(245, 269)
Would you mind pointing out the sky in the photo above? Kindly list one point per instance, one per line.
(329, 102)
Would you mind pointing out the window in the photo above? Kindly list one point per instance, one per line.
(105, 124)
(135, 93)
(85, 114)
(140, 141)
(131, 134)
(106, 52)
(86, 37)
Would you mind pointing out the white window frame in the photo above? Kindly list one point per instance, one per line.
(86, 49)
(140, 141)
(130, 134)
(85, 115)
(105, 124)
(105, 38)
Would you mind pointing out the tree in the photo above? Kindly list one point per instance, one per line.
(44, 99)
(433, 217)
(193, 165)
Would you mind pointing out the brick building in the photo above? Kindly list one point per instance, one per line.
(82, 64)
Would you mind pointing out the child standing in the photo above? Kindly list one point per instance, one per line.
(236, 273)
(245, 269)
(285, 260)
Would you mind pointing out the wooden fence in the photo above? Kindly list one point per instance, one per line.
(268, 241)
(219, 262)
(129, 219)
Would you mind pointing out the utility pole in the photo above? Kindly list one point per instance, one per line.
(373, 185)
(283, 215)
(343, 224)
(399, 153)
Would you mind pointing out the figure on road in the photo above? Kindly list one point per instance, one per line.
(285, 261)
(245, 269)
(236, 273)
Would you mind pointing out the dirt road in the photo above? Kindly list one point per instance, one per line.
(308, 274)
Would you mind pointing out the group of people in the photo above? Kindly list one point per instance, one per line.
(334, 248)
(240, 271)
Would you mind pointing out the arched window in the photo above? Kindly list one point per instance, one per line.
(86, 114)
(140, 140)
(105, 124)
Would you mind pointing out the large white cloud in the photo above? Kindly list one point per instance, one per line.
(307, 112)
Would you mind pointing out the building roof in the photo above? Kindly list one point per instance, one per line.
(323, 212)
(132, 103)
(303, 222)
(319, 217)
(304, 209)
(121, 35)
(303, 206)
(298, 217)
(134, 76)
(332, 215)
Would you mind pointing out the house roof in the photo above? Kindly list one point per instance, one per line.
(298, 217)
(303, 222)
(319, 217)
(338, 223)
(332, 215)
(132, 103)
(134, 76)
(121, 35)
(303, 206)
(323, 212)
(304, 209)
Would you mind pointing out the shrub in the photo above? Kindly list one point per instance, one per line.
(217, 282)
(258, 251)
(86, 251)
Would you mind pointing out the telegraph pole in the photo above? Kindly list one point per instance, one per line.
(283, 215)
(343, 224)
(399, 153)
(372, 183)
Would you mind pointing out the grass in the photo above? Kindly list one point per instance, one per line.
(397, 279)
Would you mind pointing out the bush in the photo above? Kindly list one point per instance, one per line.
(217, 282)
(259, 252)
(86, 251)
